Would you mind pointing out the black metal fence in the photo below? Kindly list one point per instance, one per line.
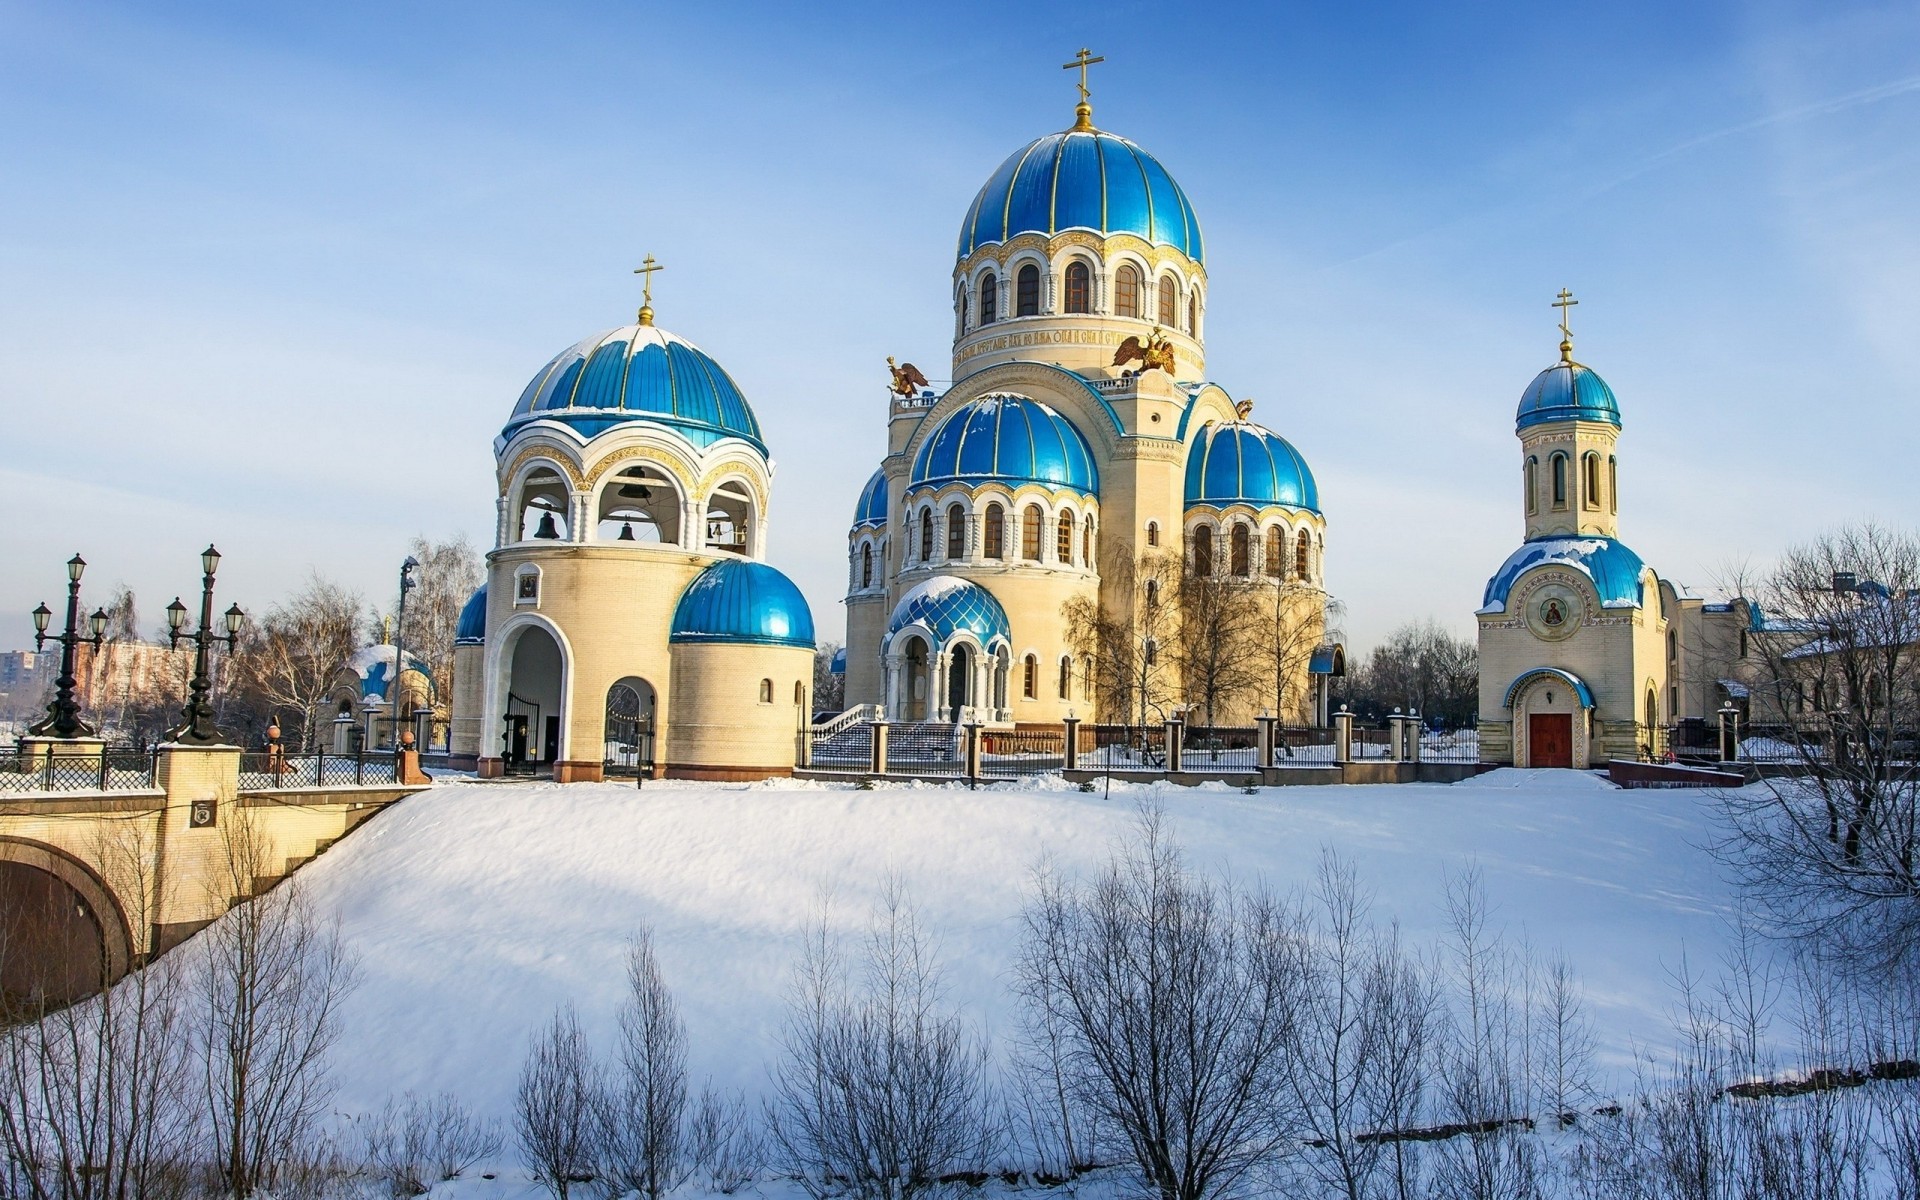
(1210, 748)
(1450, 745)
(109, 770)
(1018, 753)
(1123, 747)
(847, 750)
(273, 769)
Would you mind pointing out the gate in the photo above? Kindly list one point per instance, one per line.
(629, 729)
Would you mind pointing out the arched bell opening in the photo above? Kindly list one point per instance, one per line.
(543, 507)
(730, 515)
(639, 505)
(630, 727)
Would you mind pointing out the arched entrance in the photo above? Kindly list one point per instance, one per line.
(1550, 709)
(63, 935)
(918, 693)
(534, 685)
(630, 728)
(959, 680)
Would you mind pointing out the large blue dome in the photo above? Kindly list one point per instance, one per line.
(1082, 179)
(1006, 439)
(1614, 569)
(1567, 391)
(947, 604)
(872, 508)
(638, 373)
(472, 627)
(737, 601)
(1243, 463)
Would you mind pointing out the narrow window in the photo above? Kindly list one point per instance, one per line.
(1169, 301)
(1079, 288)
(799, 694)
(1613, 484)
(1592, 481)
(1673, 647)
(1126, 291)
(1193, 315)
(1153, 533)
(926, 534)
(1066, 677)
(1063, 544)
(1153, 593)
(1030, 523)
(766, 691)
(1276, 552)
(965, 310)
(1153, 651)
(956, 532)
(1203, 550)
(1026, 299)
(1533, 484)
(1086, 543)
(1559, 481)
(989, 300)
(1302, 551)
(1030, 677)
(996, 532)
(866, 565)
(1240, 551)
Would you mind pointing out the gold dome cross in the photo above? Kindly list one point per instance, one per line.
(1564, 302)
(1083, 112)
(645, 270)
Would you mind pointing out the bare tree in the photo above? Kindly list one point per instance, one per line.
(1218, 646)
(1421, 667)
(292, 655)
(448, 574)
(1177, 993)
(642, 1111)
(555, 1103)
(1127, 639)
(416, 1142)
(1832, 851)
(829, 689)
(271, 977)
(724, 1141)
(882, 1090)
(1292, 620)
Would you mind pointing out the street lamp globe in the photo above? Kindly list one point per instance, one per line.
(99, 623)
(41, 616)
(235, 619)
(210, 559)
(75, 567)
(176, 615)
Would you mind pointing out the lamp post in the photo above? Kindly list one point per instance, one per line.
(63, 714)
(196, 725)
(407, 584)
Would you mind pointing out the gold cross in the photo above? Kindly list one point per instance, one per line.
(1083, 112)
(1564, 302)
(645, 271)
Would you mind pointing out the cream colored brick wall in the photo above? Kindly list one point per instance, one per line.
(722, 720)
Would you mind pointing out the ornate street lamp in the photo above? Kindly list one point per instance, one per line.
(407, 584)
(63, 714)
(196, 727)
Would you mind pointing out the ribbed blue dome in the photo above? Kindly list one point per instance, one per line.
(1082, 179)
(1243, 463)
(872, 508)
(739, 601)
(1006, 439)
(947, 604)
(638, 373)
(472, 628)
(1614, 569)
(1567, 391)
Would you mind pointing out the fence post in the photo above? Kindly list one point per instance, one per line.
(1343, 736)
(1070, 743)
(1176, 728)
(1411, 728)
(1396, 734)
(878, 765)
(103, 768)
(973, 753)
(1266, 726)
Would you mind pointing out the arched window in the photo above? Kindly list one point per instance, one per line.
(966, 309)
(926, 534)
(1592, 472)
(766, 691)
(996, 534)
(1532, 484)
(1126, 291)
(956, 532)
(1203, 550)
(1653, 709)
(1240, 551)
(1153, 533)
(1153, 593)
(1302, 553)
(1026, 295)
(1559, 481)
(1030, 677)
(1079, 287)
(1063, 544)
(799, 694)
(866, 565)
(1613, 484)
(1030, 522)
(1673, 647)
(989, 300)
(1153, 651)
(1086, 543)
(1276, 552)
(1169, 301)
(1193, 315)
(1066, 676)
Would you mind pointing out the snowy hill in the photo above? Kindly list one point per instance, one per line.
(477, 908)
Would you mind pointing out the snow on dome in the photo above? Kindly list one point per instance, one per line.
(374, 666)
(1009, 439)
(1614, 569)
(946, 604)
(472, 628)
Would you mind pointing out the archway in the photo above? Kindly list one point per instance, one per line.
(630, 728)
(918, 693)
(959, 681)
(534, 685)
(63, 935)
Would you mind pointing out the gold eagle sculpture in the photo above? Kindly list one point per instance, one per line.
(1243, 410)
(1156, 353)
(907, 379)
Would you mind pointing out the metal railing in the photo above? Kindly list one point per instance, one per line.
(848, 748)
(1019, 753)
(1214, 748)
(275, 769)
(106, 771)
(927, 748)
(1123, 747)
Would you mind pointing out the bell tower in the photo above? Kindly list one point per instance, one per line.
(1568, 426)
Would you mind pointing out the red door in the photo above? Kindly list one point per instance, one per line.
(1550, 740)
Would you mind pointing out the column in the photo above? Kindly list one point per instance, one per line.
(1266, 726)
(1396, 736)
(894, 706)
(502, 519)
(878, 765)
(1343, 736)
(1412, 731)
(1176, 731)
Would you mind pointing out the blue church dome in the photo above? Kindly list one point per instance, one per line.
(872, 508)
(1567, 391)
(737, 601)
(472, 628)
(1614, 569)
(1006, 439)
(947, 604)
(1242, 463)
(1082, 179)
(638, 373)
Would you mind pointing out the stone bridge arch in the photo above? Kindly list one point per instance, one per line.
(65, 932)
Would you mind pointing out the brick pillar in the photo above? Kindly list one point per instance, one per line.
(202, 785)
(1396, 736)
(1268, 729)
(1176, 738)
(878, 765)
(1343, 736)
(1070, 743)
(1412, 730)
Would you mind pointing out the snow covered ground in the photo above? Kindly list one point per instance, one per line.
(477, 908)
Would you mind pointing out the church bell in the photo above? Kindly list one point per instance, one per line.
(547, 528)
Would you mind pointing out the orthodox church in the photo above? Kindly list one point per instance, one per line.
(1080, 440)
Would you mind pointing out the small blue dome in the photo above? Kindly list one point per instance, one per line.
(1006, 439)
(472, 629)
(947, 604)
(638, 373)
(1567, 391)
(1614, 569)
(1082, 179)
(737, 601)
(1243, 463)
(872, 508)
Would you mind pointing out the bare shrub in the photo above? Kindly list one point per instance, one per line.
(882, 1089)
(414, 1143)
(724, 1141)
(554, 1106)
(641, 1142)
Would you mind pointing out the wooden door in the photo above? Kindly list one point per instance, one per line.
(1550, 740)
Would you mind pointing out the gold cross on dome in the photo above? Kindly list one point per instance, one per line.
(1083, 112)
(1564, 302)
(645, 270)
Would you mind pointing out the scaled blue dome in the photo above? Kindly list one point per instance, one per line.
(638, 373)
(1614, 569)
(947, 604)
(1242, 463)
(737, 601)
(1567, 391)
(1082, 179)
(472, 628)
(872, 508)
(1006, 439)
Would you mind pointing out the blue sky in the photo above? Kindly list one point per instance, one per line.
(274, 275)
